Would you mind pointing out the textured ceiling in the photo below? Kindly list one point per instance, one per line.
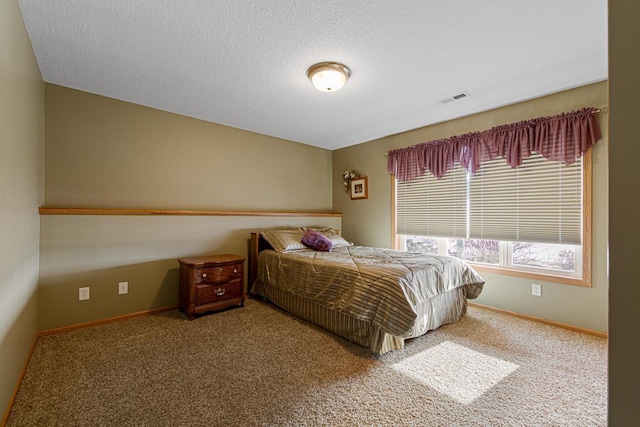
(243, 63)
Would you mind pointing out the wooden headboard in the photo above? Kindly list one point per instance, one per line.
(258, 244)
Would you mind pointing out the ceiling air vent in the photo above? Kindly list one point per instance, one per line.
(455, 97)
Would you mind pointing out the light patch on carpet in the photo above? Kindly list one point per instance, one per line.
(456, 371)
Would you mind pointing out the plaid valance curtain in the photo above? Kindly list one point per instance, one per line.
(563, 138)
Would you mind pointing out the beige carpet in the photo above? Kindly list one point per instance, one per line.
(257, 366)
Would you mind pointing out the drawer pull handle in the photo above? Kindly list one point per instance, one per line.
(235, 270)
(204, 274)
(220, 291)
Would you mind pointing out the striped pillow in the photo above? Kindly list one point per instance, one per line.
(285, 240)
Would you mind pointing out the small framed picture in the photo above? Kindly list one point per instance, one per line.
(359, 188)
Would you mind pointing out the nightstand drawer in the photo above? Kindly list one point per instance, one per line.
(209, 293)
(217, 275)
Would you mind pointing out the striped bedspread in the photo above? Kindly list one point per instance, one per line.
(380, 286)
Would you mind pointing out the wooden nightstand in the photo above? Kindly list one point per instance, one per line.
(211, 283)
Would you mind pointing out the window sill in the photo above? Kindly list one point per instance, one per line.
(531, 275)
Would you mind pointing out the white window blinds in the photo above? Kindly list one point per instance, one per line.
(426, 206)
(540, 201)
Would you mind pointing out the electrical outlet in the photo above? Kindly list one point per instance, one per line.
(536, 290)
(83, 294)
(123, 288)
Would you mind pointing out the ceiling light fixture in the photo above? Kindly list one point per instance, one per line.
(328, 76)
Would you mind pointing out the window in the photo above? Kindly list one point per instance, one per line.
(528, 221)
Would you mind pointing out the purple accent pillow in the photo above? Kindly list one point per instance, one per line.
(317, 241)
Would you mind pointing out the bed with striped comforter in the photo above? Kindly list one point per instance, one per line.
(374, 297)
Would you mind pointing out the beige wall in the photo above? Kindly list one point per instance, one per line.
(100, 251)
(21, 191)
(368, 221)
(102, 152)
(107, 153)
(624, 211)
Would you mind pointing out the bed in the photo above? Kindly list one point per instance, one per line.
(374, 297)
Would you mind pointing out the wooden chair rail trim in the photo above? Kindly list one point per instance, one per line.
(176, 212)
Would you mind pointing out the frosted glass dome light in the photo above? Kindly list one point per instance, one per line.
(328, 76)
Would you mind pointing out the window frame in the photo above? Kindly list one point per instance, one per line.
(508, 268)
